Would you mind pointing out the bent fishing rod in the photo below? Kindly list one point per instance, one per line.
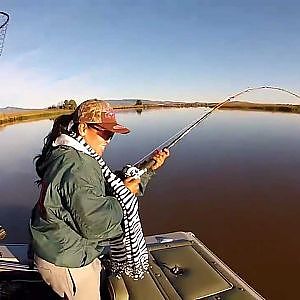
(141, 166)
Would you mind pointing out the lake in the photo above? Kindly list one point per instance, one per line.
(233, 181)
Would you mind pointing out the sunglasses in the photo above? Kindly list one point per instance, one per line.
(104, 133)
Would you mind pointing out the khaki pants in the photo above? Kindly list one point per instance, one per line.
(76, 283)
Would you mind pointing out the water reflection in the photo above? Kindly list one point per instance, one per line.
(233, 181)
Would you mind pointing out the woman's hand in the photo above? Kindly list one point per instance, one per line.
(132, 184)
(159, 157)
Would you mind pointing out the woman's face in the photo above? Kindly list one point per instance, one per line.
(93, 138)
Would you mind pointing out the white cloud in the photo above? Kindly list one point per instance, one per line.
(28, 87)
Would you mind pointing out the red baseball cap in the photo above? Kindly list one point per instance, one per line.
(101, 113)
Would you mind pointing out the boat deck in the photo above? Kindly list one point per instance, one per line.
(181, 267)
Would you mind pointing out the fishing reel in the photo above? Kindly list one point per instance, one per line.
(2, 233)
(132, 171)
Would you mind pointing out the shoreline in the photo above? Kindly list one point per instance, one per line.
(38, 114)
(30, 115)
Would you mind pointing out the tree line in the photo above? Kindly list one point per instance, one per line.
(66, 104)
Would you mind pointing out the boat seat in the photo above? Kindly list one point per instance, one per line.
(177, 271)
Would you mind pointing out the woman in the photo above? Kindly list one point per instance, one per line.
(82, 205)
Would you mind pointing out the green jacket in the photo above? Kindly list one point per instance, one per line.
(75, 215)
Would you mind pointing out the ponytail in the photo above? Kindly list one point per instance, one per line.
(60, 125)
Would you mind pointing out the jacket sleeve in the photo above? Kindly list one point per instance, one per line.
(95, 214)
(144, 181)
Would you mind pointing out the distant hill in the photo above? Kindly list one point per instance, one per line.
(10, 109)
(132, 102)
(115, 102)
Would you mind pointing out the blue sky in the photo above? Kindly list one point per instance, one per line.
(175, 50)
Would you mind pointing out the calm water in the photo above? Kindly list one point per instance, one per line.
(233, 181)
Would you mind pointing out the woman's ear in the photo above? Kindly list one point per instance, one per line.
(82, 128)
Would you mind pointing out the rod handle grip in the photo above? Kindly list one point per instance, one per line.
(148, 164)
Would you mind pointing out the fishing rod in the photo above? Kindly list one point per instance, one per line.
(218, 105)
(141, 166)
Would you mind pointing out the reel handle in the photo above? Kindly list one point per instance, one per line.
(132, 171)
